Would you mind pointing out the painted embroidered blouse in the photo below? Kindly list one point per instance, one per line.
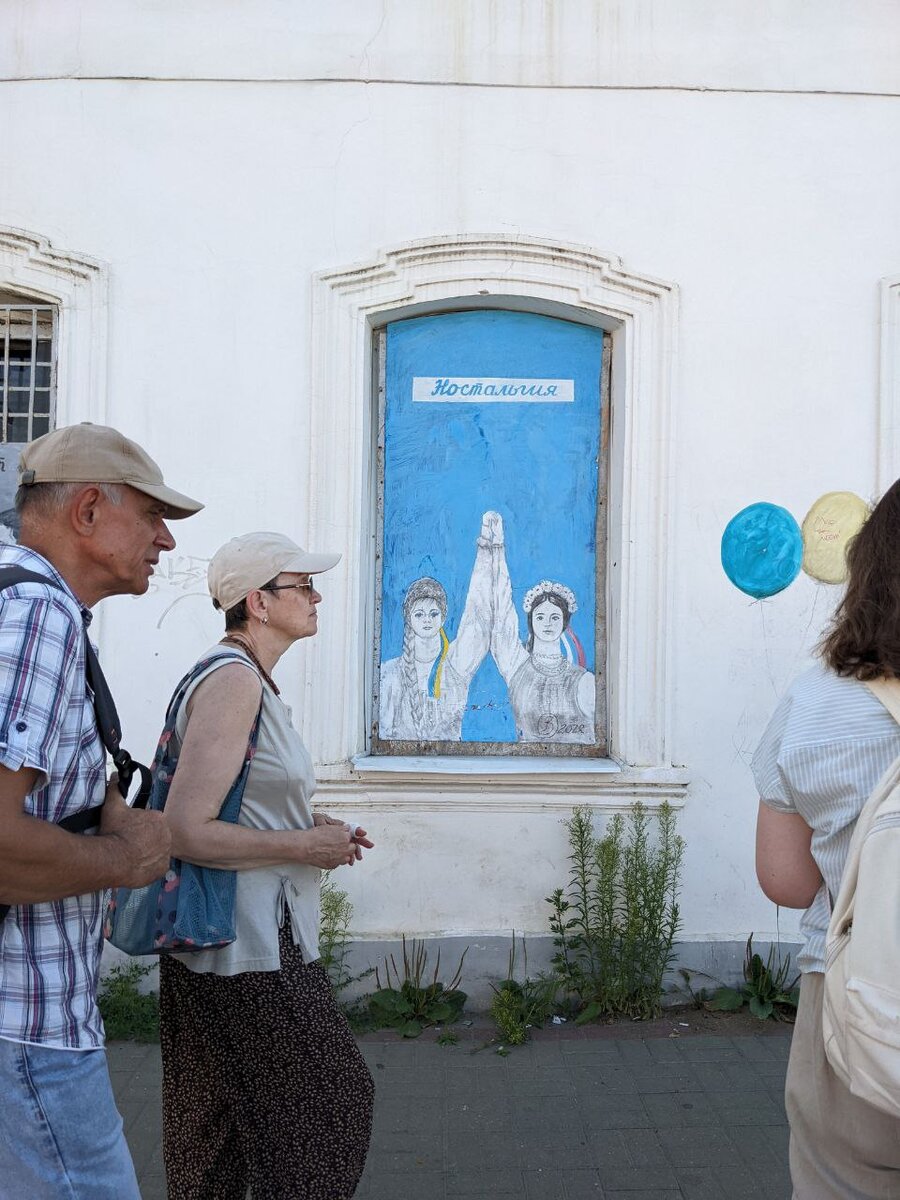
(442, 715)
(552, 699)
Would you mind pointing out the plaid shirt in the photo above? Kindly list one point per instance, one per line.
(49, 953)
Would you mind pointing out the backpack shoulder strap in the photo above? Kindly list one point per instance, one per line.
(108, 724)
(13, 574)
(888, 692)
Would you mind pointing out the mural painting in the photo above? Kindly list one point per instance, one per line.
(489, 567)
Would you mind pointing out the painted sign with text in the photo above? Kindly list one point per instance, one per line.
(492, 434)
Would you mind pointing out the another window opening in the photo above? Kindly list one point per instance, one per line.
(27, 375)
(27, 389)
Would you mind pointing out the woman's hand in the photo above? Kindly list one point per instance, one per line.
(491, 530)
(327, 846)
(358, 835)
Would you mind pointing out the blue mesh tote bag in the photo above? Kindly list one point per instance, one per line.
(190, 907)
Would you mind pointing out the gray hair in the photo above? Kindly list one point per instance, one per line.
(44, 500)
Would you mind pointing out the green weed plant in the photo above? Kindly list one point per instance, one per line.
(615, 924)
(407, 1000)
(768, 990)
(520, 1006)
(128, 1013)
(334, 936)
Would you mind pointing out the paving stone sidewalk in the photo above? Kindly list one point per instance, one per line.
(693, 1118)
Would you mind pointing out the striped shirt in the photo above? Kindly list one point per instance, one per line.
(49, 953)
(828, 743)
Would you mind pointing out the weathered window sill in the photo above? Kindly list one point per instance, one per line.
(514, 782)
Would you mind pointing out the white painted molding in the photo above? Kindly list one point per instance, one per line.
(889, 385)
(498, 793)
(78, 285)
(538, 275)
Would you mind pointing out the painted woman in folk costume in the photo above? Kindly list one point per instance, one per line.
(423, 693)
(551, 692)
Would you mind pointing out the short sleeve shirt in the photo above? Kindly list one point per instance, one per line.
(826, 747)
(49, 953)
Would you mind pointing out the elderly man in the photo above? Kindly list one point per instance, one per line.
(93, 507)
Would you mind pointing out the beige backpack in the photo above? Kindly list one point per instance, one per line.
(861, 1007)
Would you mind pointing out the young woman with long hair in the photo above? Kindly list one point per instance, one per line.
(826, 747)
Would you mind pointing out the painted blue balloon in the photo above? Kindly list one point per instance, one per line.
(762, 548)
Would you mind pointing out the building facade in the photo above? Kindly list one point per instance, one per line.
(325, 262)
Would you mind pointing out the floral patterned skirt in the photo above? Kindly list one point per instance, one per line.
(264, 1085)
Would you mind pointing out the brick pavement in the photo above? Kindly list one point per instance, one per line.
(692, 1118)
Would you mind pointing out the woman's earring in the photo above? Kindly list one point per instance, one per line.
(265, 620)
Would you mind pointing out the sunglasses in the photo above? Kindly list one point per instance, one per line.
(290, 587)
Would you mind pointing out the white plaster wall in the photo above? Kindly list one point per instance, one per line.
(214, 202)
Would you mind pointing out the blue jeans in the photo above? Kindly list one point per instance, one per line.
(61, 1134)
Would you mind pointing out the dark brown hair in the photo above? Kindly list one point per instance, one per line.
(864, 638)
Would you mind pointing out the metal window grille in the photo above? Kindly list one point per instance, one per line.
(27, 370)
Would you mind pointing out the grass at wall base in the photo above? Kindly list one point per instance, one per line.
(768, 989)
(408, 998)
(614, 925)
(519, 1006)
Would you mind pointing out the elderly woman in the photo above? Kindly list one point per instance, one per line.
(263, 1083)
(820, 758)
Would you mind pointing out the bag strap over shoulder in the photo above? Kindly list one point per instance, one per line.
(165, 761)
(218, 656)
(888, 692)
(108, 724)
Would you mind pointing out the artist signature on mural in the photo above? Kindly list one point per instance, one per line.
(550, 726)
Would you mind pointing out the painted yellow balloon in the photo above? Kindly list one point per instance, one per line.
(827, 528)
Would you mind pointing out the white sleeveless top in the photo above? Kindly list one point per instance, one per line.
(280, 786)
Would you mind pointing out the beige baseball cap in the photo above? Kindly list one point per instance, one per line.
(249, 561)
(89, 453)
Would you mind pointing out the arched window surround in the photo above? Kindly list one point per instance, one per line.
(537, 275)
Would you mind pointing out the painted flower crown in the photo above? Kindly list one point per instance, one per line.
(548, 585)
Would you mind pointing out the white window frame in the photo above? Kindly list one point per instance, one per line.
(77, 286)
(534, 275)
(16, 302)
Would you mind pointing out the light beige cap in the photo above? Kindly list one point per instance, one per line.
(89, 453)
(249, 561)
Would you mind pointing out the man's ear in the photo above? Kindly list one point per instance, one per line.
(84, 509)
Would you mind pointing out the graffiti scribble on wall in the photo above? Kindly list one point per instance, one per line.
(489, 589)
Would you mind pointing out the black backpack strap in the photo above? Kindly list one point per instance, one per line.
(108, 724)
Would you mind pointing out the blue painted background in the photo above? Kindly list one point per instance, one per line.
(447, 463)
